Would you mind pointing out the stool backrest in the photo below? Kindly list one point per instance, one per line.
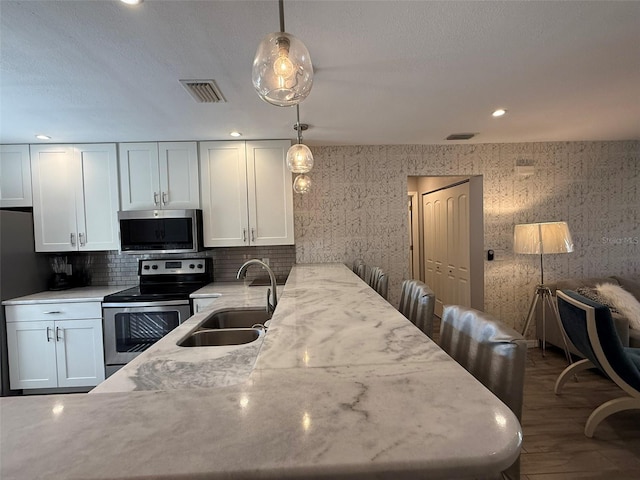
(493, 353)
(417, 302)
(379, 282)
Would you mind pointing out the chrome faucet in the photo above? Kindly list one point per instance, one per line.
(271, 305)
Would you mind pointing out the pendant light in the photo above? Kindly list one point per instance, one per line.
(299, 157)
(302, 184)
(282, 73)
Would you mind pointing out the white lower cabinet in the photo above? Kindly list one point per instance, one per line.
(56, 353)
(201, 304)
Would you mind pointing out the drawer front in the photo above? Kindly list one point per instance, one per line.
(53, 311)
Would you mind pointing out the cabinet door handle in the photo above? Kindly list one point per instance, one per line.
(52, 311)
(155, 198)
(48, 337)
(244, 235)
(165, 198)
(81, 239)
(73, 239)
(253, 235)
(58, 337)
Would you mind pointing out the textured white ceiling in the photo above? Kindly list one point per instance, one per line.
(387, 72)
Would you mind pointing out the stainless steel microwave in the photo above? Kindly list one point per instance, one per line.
(160, 231)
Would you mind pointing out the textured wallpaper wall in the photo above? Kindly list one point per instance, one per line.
(356, 209)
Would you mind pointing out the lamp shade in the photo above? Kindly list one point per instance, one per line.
(542, 238)
(282, 73)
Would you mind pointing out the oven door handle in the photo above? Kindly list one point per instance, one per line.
(166, 303)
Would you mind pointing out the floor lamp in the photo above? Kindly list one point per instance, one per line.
(541, 239)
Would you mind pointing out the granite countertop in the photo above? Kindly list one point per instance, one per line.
(79, 294)
(343, 386)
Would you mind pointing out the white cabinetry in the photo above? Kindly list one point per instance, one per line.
(203, 303)
(15, 176)
(54, 345)
(75, 197)
(247, 196)
(159, 176)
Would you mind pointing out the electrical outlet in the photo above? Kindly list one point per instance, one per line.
(265, 261)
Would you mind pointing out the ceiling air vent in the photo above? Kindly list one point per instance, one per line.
(461, 136)
(203, 91)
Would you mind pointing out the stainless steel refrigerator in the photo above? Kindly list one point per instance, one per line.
(22, 271)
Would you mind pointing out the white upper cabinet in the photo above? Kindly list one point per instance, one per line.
(270, 191)
(247, 196)
(159, 175)
(223, 183)
(75, 197)
(15, 176)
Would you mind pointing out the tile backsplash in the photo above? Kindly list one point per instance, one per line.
(114, 268)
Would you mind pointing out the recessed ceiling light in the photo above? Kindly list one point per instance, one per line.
(235, 134)
(43, 137)
(132, 2)
(499, 112)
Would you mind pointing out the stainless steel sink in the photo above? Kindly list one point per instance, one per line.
(238, 318)
(220, 337)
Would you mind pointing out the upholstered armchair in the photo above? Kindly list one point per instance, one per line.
(590, 327)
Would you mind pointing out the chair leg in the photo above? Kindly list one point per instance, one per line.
(607, 409)
(571, 370)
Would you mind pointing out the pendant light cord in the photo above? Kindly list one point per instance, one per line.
(281, 7)
(298, 127)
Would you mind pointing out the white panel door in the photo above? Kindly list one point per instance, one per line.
(429, 241)
(79, 352)
(446, 245)
(54, 209)
(15, 176)
(31, 348)
(97, 197)
(270, 193)
(223, 184)
(139, 176)
(179, 186)
(458, 287)
(434, 212)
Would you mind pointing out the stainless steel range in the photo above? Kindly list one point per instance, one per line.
(136, 318)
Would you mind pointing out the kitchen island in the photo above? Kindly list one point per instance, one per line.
(343, 386)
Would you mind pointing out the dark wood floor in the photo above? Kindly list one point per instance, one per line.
(555, 446)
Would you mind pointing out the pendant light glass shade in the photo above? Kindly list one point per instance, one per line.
(301, 184)
(299, 158)
(282, 73)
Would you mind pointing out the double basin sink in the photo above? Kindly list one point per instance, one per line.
(228, 327)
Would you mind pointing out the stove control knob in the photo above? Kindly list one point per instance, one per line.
(199, 265)
(154, 267)
(146, 267)
(192, 266)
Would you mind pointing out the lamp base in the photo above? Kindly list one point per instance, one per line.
(544, 296)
